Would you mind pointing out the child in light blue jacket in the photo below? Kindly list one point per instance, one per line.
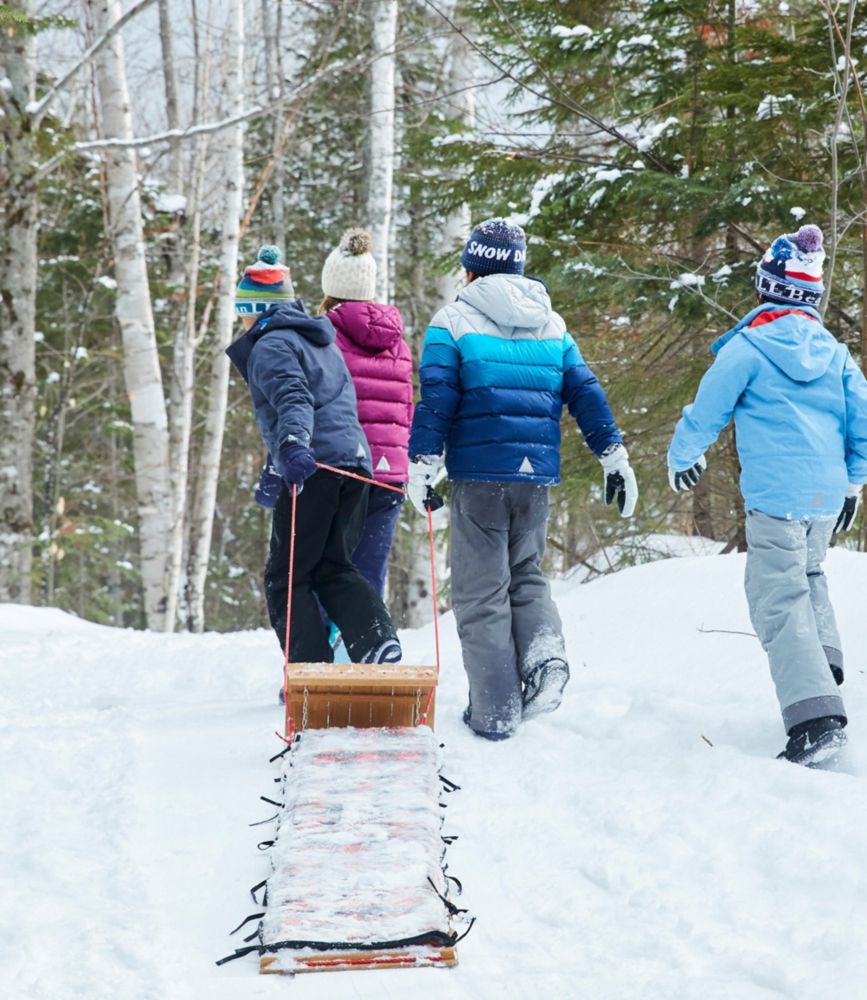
(799, 404)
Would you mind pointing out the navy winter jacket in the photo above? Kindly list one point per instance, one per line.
(496, 370)
(301, 387)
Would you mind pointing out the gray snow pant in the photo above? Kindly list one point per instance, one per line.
(791, 612)
(507, 622)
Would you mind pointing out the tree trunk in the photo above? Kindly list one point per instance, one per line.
(382, 98)
(460, 77)
(170, 78)
(275, 87)
(135, 318)
(209, 458)
(18, 227)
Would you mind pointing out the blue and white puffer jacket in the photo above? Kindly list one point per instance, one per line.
(496, 370)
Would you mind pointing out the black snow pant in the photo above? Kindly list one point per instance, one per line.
(329, 521)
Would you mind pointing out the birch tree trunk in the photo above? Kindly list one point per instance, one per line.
(460, 78)
(184, 356)
(207, 477)
(170, 79)
(381, 176)
(275, 86)
(18, 227)
(135, 318)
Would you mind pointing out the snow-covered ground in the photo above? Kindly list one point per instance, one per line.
(609, 851)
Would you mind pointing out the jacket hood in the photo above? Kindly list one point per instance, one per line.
(285, 316)
(371, 325)
(509, 300)
(793, 338)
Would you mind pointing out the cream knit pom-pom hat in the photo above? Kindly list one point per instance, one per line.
(349, 271)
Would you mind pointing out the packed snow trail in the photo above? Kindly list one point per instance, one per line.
(608, 851)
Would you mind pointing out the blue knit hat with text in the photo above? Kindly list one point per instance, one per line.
(791, 269)
(495, 247)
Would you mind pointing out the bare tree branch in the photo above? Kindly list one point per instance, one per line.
(38, 109)
(566, 105)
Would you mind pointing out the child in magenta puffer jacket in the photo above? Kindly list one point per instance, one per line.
(370, 335)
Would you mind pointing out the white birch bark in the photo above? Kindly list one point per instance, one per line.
(135, 318)
(382, 100)
(275, 88)
(18, 227)
(207, 478)
(461, 77)
(170, 80)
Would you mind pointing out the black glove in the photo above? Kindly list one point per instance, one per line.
(686, 479)
(850, 509)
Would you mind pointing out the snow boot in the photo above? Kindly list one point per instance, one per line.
(543, 689)
(388, 651)
(814, 741)
(485, 735)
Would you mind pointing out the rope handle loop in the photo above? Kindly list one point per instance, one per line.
(290, 722)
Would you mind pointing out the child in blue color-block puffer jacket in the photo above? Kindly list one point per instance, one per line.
(799, 404)
(497, 368)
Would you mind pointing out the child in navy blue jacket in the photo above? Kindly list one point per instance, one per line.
(496, 370)
(305, 405)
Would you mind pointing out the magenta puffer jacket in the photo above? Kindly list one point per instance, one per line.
(370, 336)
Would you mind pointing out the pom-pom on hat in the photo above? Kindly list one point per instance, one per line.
(264, 283)
(495, 247)
(791, 270)
(349, 271)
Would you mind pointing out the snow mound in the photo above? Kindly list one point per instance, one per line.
(640, 842)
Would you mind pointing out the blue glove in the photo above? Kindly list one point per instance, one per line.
(295, 463)
(269, 486)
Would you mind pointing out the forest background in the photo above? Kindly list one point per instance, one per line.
(652, 150)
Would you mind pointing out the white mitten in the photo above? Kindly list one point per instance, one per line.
(619, 479)
(423, 472)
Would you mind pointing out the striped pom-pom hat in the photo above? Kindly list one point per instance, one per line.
(791, 269)
(264, 283)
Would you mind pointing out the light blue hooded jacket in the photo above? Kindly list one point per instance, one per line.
(799, 404)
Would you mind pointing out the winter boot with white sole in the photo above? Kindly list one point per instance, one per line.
(543, 690)
(815, 741)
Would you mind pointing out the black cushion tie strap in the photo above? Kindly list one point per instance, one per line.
(257, 887)
(450, 785)
(271, 802)
(246, 920)
(467, 931)
(457, 882)
(436, 939)
(447, 903)
(263, 822)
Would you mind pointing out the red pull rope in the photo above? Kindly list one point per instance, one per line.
(361, 479)
(433, 577)
(290, 722)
